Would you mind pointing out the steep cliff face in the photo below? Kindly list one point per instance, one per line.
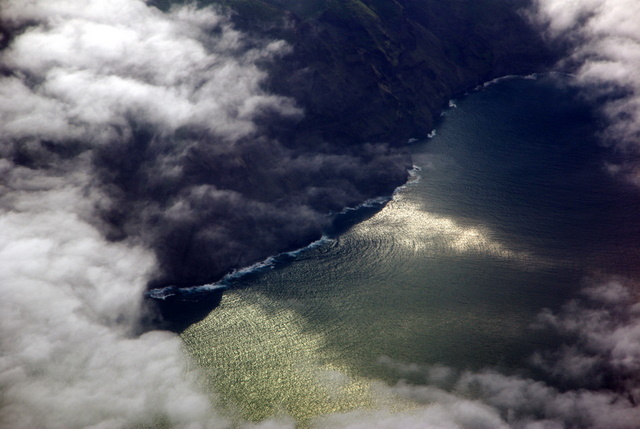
(381, 70)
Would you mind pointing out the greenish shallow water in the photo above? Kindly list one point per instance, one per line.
(510, 211)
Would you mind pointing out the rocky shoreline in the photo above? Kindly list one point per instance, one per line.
(367, 75)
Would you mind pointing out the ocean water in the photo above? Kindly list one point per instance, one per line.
(509, 210)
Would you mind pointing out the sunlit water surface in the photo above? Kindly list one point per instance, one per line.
(510, 211)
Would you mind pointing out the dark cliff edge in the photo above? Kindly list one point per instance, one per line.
(382, 70)
(368, 75)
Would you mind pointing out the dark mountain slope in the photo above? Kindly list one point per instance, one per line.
(381, 70)
(368, 74)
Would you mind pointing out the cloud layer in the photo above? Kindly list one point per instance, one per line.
(600, 357)
(97, 71)
(139, 145)
(80, 84)
(603, 37)
(70, 304)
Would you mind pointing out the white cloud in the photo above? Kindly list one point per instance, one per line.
(92, 67)
(605, 40)
(82, 73)
(70, 302)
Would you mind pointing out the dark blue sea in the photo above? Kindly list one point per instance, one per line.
(510, 209)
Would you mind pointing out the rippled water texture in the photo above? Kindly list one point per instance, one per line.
(510, 210)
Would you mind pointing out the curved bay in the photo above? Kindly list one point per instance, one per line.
(511, 210)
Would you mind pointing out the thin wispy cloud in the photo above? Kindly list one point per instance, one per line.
(597, 365)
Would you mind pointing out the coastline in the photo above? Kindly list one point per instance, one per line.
(188, 299)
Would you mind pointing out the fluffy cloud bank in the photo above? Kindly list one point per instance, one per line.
(80, 83)
(70, 304)
(96, 71)
(604, 41)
